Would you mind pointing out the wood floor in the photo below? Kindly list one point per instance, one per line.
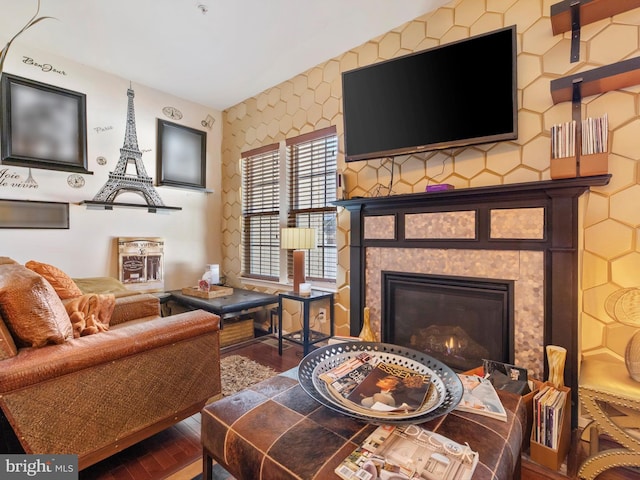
(172, 450)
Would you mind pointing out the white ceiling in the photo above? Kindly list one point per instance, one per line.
(235, 50)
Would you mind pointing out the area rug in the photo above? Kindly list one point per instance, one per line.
(238, 372)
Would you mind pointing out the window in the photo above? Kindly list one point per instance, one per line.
(312, 188)
(290, 185)
(260, 213)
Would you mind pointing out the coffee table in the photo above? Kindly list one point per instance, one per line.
(275, 430)
(240, 301)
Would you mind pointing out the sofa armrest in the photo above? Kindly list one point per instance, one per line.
(135, 306)
(35, 365)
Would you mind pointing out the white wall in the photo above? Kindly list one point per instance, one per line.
(88, 248)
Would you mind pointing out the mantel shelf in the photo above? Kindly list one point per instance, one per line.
(598, 80)
(112, 205)
(469, 195)
(590, 11)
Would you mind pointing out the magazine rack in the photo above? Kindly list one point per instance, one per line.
(549, 457)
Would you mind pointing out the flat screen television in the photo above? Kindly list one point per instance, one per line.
(457, 94)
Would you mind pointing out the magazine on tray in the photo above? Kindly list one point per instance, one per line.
(408, 451)
(342, 379)
(479, 396)
(390, 388)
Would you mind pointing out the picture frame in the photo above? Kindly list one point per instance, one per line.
(182, 154)
(33, 214)
(141, 263)
(43, 126)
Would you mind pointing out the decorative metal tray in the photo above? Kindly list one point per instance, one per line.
(448, 387)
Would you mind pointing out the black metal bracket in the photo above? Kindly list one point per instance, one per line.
(575, 31)
(576, 116)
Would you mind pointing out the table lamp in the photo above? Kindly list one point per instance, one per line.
(298, 240)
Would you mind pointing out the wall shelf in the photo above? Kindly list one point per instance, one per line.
(570, 15)
(111, 205)
(598, 80)
(590, 11)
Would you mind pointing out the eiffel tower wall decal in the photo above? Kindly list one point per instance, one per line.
(120, 181)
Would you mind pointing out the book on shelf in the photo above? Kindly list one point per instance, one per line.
(563, 140)
(548, 406)
(390, 388)
(408, 451)
(479, 396)
(595, 137)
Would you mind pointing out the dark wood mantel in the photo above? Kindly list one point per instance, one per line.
(559, 198)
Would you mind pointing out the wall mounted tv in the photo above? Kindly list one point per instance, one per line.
(460, 93)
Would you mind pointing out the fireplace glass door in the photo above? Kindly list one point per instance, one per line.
(457, 320)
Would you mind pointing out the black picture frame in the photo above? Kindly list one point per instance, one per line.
(43, 126)
(182, 154)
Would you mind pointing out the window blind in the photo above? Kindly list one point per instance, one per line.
(312, 160)
(260, 215)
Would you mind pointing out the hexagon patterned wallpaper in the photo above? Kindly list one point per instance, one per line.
(610, 223)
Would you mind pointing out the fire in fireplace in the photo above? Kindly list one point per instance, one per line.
(457, 320)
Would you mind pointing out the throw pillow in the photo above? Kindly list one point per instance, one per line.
(63, 284)
(90, 313)
(30, 307)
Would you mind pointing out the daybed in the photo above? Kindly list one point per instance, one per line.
(93, 374)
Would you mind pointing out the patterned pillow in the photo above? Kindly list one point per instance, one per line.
(31, 309)
(64, 286)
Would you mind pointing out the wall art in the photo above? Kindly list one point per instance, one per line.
(33, 214)
(181, 156)
(120, 181)
(141, 263)
(43, 126)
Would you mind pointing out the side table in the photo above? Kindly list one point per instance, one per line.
(305, 337)
(612, 399)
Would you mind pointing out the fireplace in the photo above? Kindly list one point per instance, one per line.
(458, 320)
(526, 233)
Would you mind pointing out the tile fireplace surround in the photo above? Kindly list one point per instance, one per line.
(527, 233)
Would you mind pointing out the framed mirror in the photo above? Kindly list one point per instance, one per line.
(182, 153)
(43, 126)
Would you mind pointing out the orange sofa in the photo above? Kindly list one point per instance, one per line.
(96, 394)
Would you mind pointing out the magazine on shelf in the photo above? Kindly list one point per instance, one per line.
(391, 388)
(342, 379)
(548, 404)
(479, 396)
(408, 451)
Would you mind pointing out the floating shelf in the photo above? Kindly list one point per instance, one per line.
(570, 15)
(590, 11)
(598, 80)
(112, 205)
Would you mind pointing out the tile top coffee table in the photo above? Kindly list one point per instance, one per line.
(275, 430)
